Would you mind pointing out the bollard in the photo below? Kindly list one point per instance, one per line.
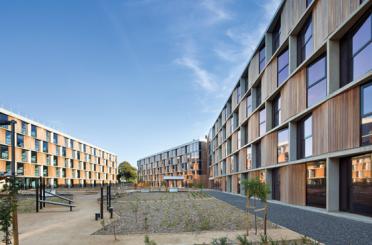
(111, 212)
(70, 206)
(44, 183)
(40, 193)
(101, 202)
(37, 196)
(107, 197)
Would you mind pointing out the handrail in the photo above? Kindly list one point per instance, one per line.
(56, 195)
(58, 203)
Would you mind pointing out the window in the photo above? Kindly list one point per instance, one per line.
(3, 118)
(305, 138)
(55, 138)
(33, 156)
(262, 58)
(8, 138)
(36, 171)
(283, 71)
(24, 156)
(45, 171)
(276, 36)
(262, 122)
(258, 94)
(37, 145)
(4, 152)
(72, 144)
(24, 128)
(276, 111)
(366, 114)
(316, 184)
(238, 94)
(47, 138)
(20, 168)
(308, 2)
(239, 139)
(57, 150)
(33, 131)
(283, 145)
(249, 158)
(64, 151)
(356, 49)
(55, 160)
(316, 81)
(45, 146)
(258, 155)
(249, 104)
(305, 42)
(20, 140)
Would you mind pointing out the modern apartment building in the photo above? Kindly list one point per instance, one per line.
(61, 159)
(181, 166)
(300, 116)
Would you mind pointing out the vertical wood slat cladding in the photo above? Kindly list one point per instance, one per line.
(269, 79)
(234, 99)
(228, 127)
(292, 184)
(320, 129)
(269, 149)
(320, 23)
(293, 96)
(234, 182)
(242, 158)
(234, 142)
(292, 11)
(344, 120)
(253, 127)
(242, 110)
(253, 69)
(339, 11)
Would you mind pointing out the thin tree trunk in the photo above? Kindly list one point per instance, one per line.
(265, 218)
(255, 216)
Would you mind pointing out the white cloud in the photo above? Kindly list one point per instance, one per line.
(217, 11)
(203, 77)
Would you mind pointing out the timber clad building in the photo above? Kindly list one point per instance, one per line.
(61, 159)
(182, 166)
(300, 117)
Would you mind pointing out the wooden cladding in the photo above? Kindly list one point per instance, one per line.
(269, 79)
(292, 11)
(292, 184)
(253, 127)
(339, 11)
(293, 95)
(269, 145)
(336, 123)
(253, 71)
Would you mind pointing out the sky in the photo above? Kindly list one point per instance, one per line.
(134, 77)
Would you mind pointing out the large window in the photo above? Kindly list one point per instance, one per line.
(258, 154)
(249, 104)
(37, 145)
(33, 156)
(55, 138)
(249, 158)
(276, 36)
(262, 122)
(283, 145)
(305, 42)
(4, 152)
(258, 94)
(33, 131)
(45, 146)
(366, 110)
(8, 137)
(316, 81)
(24, 156)
(20, 140)
(24, 128)
(276, 111)
(262, 59)
(20, 168)
(305, 132)
(283, 67)
(3, 118)
(356, 49)
(316, 184)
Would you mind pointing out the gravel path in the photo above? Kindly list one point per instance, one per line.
(325, 228)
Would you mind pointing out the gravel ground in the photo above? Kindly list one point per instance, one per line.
(173, 213)
(325, 228)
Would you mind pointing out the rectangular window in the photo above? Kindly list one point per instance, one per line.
(36, 171)
(262, 122)
(283, 145)
(24, 128)
(4, 152)
(308, 2)
(238, 94)
(8, 138)
(20, 140)
(249, 104)
(305, 132)
(64, 151)
(283, 67)
(33, 131)
(258, 94)
(276, 36)
(316, 184)
(33, 157)
(262, 59)
(258, 155)
(276, 111)
(20, 168)
(366, 114)
(249, 158)
(3, 118)
(37, 145)
(45, 171)
(57, 150)
(316, 81)
(239, 139)
(55, 138)
(24, 156)
(305, 42)
(45, 146)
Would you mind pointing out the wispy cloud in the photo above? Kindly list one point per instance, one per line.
(203, 77)
(217, 11)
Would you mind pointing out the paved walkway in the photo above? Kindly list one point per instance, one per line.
(325, 228)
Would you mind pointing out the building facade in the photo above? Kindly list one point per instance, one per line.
(300, 116)
(61, 159)
(181, 166)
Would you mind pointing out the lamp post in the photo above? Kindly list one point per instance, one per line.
(13, 192)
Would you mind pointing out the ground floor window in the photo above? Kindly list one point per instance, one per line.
(316, 184)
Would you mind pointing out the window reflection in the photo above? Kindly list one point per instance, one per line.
(283, 67)
(316, 82)
(283, 145)
(316, 184)
(262, 122)
(366, 129)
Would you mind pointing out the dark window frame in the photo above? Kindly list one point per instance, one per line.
(276, 35)
(261, 58)
(317, 81)
(283, 68)
(276, 111)
(301, 145)
(361, 113)
(301, 42)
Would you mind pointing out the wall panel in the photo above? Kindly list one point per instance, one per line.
(269, 79)
(253, 70)
(269, 149)
(320, 129)
(253, 128)
(292, 184)
(339, 11)
(320, 23)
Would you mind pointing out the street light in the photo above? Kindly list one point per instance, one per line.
(12, 123)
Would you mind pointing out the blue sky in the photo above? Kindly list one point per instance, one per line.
(134, 77)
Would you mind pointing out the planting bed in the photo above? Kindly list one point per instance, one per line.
(162, 212)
